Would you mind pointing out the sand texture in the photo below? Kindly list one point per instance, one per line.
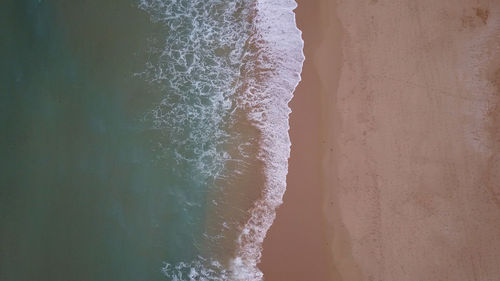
(409, 143)
(416, 153)
(297, 247)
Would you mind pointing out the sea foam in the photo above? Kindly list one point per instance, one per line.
(277, 62)
(219, 56)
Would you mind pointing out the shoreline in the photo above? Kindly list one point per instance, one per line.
(394, 165)
(300, 221)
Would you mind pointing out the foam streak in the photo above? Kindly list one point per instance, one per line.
(279, 54)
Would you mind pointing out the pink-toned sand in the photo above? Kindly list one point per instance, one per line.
(395, 164)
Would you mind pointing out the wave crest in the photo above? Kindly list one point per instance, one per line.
(277, 62)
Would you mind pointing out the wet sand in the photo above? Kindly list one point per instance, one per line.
(395, 165)
(297, 245)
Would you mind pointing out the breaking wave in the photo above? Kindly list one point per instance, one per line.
(218, 57)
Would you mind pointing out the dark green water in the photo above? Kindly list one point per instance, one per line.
(143, 139)
(83, 195)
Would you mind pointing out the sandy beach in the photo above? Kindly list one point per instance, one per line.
(297, 245)
(395, 164)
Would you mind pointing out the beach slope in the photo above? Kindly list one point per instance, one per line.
(407, 151)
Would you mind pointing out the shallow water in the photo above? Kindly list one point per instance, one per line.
(141, 140)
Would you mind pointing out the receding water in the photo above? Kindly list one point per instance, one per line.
(137, 138)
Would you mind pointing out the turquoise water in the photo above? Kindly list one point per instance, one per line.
(141, 140)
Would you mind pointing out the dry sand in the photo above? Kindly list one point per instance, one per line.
(395, 165)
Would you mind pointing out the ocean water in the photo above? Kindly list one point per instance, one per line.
(143, 139)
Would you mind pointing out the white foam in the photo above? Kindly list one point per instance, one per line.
(280, 51)
(197, 78)
(270, 72)
(198, 270)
